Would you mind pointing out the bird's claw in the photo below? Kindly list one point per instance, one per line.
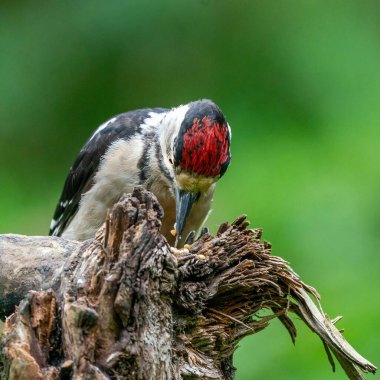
(190, 238)
(204, 231)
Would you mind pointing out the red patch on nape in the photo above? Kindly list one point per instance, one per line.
(205, 147)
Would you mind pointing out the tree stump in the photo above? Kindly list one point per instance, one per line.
(124, 306)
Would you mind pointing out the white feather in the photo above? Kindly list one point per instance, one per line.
(117, 174)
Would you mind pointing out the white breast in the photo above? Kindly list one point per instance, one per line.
(117, 175)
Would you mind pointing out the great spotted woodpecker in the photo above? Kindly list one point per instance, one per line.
(178, 154)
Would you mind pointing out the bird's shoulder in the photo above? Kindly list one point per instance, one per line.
(81, 174)
(127, 124)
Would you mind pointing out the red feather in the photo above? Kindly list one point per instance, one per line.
(205, 147)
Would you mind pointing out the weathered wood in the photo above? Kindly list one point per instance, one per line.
(123, 306)
(30, 263)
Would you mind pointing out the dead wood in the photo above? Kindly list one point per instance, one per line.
(123, 306)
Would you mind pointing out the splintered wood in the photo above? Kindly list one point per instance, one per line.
(125, 306)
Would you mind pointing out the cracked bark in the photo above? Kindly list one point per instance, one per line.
(123, 306)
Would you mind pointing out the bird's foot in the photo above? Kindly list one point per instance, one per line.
(190, 238)
(204, 231)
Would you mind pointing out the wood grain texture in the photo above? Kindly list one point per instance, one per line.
(123, 306)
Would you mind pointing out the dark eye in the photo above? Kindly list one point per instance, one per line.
(171, 160)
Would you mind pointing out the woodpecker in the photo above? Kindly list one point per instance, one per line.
(178, 154)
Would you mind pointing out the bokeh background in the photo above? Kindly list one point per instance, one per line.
(299, 82)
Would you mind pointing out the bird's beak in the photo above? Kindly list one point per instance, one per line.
(184, 202)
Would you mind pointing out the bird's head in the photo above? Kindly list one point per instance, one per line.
(199, 154)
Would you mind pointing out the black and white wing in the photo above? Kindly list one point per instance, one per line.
(81, 175)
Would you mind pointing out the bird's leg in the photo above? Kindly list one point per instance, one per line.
(204, 231)
(190, 238)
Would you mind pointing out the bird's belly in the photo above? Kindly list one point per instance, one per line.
(169, 218)
(194, 221)
(167, 201)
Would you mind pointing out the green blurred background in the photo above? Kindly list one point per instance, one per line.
(299, 81)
